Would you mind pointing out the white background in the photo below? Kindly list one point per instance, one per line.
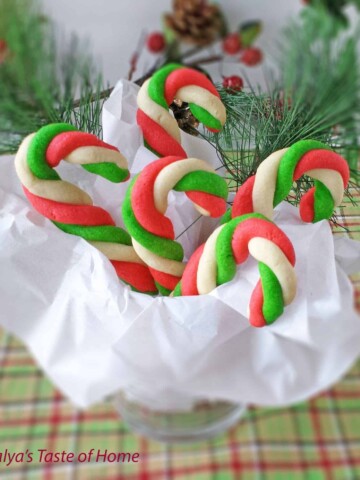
(113, 26)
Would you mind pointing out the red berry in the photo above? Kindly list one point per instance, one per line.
(156, 42)
(4, 51)
(234, 83)
(3, 45)
(251, 56)
(232, 44)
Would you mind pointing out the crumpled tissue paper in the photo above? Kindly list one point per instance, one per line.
(93, 336)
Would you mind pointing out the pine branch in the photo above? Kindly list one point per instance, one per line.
(317, 97)
(38, 85)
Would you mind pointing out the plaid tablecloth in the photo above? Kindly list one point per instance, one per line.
(316, 440)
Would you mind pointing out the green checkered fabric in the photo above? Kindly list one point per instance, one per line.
(316, 440)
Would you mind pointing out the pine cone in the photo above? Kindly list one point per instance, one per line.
(184, 117)
(195, 21)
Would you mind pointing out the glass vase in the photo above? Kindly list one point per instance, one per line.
(203, 421)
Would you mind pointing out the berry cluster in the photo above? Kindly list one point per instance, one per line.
(233, 44)
(250, 56)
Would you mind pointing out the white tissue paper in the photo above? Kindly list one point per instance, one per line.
(93, 336)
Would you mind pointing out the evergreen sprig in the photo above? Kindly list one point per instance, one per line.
(316, 97)
(38, 84)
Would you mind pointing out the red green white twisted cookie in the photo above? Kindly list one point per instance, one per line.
(214, 263)
(145, 205)
(275, 176)
(70, 208)
(160, 129)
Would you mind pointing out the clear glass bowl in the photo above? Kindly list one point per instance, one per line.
(205, 420)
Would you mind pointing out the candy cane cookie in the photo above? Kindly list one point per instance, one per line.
(275, 176)
(70, 208)
(145, 205)
(160, 129)
(214, 263)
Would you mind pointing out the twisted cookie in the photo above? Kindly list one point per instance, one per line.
(70, 208)
(214, 263)
(160, 129)
(275, 176)
(146, 203)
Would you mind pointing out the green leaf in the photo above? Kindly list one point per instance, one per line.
(249, 32)
(169, 34)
